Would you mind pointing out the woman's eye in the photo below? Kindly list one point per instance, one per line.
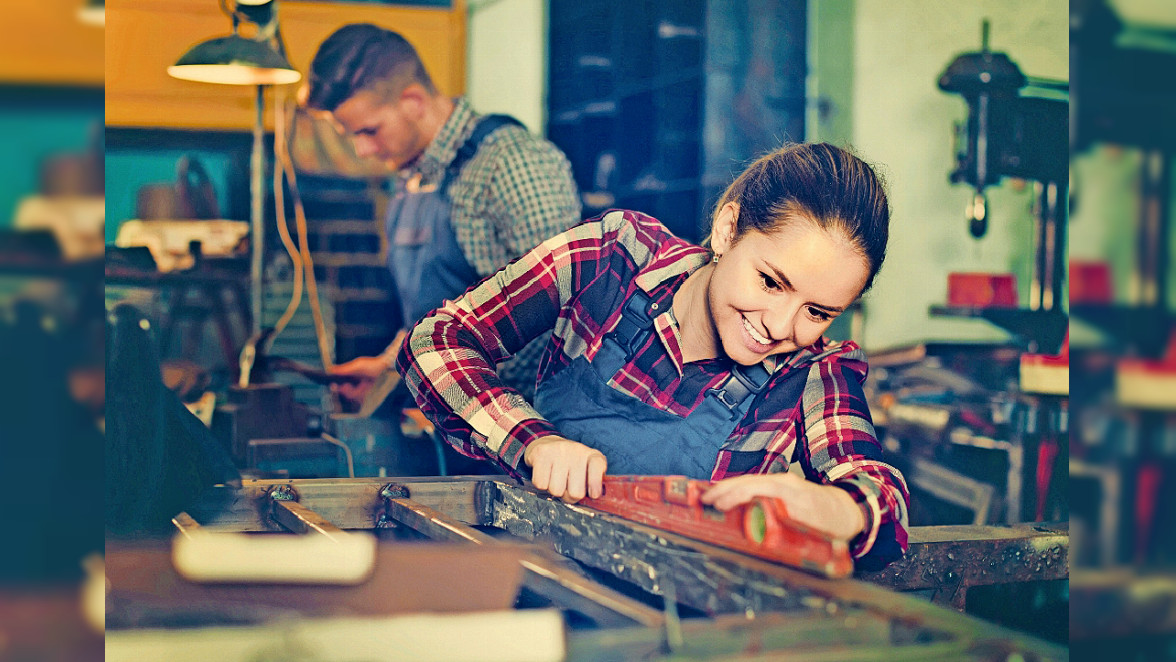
(819, 314)
(769, 282)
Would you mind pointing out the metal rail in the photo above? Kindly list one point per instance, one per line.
(545, 576)
(754, 609)
(297, 518)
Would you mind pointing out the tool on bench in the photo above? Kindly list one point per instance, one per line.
(255, 362)
(760, 527)
(283, 364)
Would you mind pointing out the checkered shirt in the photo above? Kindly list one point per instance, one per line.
(516, 191)
(571, 290)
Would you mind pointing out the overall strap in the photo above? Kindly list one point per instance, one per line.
(744, 383)
(486, 125)
(635, 325)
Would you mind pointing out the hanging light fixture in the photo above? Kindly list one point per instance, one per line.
(259, 60)
(240, 60)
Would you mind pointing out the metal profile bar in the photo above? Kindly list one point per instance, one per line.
(598, 602)
(729, 586)
(546, 577)
(953, 487)
(719, 581)
(185, 524)
(297, 518)
(943, 556)
(820, 638)
(432, 523)
(347, 502)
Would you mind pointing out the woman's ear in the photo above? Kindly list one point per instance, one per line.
(723, 231)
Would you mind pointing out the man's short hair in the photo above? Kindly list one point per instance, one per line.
(362, 56)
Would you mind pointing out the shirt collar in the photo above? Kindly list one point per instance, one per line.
(453, 134)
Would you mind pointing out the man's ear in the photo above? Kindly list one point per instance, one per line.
(723, 231)
(413, 100)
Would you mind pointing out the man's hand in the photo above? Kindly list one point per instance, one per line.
(565, 468)
(822, 507)
(367, 368)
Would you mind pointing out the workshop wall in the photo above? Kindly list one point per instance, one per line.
(1106, 216)
(903, 122)
(131, 169)
(507, 59)
(32, 132)
(829, 90)
(873, 68)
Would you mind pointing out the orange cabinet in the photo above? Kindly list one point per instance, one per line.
(144, 37)
(44, 42)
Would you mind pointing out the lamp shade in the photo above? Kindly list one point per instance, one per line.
(234, 60)
(93, 12)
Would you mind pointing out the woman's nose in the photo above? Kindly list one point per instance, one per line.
(780, 320)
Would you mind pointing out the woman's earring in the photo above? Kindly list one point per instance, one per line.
(715, 258)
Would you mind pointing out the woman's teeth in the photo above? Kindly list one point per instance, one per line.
(754, 335)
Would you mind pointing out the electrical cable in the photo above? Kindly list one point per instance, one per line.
(283, 227)
(346, 451)
(282, 155)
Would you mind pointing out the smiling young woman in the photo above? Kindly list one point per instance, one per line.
(668, 358)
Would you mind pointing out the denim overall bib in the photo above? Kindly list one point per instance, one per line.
(635, 437)
(425, 258)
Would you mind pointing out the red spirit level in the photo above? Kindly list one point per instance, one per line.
(760, 527)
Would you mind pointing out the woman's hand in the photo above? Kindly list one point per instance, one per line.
(565, 468)
(822, 507)
(367, 368)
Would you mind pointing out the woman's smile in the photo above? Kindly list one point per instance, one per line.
(758, 342)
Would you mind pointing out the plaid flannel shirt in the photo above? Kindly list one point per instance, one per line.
(571, 289)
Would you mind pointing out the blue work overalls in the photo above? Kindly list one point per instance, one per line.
(425, 258)
(638, 438)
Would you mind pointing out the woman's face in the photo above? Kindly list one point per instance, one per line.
(775, 293)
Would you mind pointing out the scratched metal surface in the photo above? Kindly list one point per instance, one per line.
(744, 608)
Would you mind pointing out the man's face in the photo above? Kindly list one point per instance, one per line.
(381, 128)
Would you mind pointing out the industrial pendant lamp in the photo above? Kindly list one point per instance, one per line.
(257, 60)
(239, 60)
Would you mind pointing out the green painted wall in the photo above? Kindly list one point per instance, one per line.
(29, 135)
(831, 61)
(127, 170)
(884, 71)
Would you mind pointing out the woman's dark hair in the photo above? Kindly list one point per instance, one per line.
(362, 56)
(820, 183)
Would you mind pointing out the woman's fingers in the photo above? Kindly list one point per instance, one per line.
(541, 475)
(731, 492)
(566, 469)
(597, 465)
(577, 480)
(730, 498)
(558, 483)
